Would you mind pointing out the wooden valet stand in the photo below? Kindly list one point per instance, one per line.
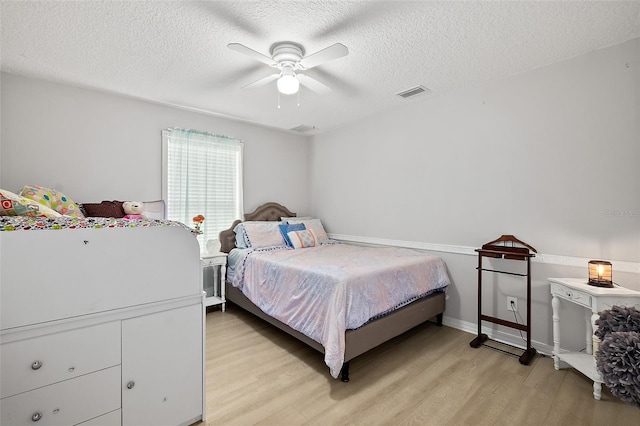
(505, 248)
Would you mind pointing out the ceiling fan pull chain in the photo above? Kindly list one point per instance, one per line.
(278, 98)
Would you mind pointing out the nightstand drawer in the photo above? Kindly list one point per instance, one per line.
(213, 261)
(570, 294)
(40, 361)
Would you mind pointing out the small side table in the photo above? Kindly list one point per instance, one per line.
(216, 296)
(595, 300)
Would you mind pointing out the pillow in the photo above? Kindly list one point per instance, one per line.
(241, 236)
(286, 219)
(154, 209)
(15, 205)
(302, 239)
(285, 228)
(313, 225)
(104, 209)
(263, 234)
(53, 199)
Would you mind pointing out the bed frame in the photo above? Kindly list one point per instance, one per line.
(357, 341)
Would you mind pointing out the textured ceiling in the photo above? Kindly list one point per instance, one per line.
(175, 52)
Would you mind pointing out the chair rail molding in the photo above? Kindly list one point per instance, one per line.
(551, 259)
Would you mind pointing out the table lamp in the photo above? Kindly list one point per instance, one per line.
(600, 273)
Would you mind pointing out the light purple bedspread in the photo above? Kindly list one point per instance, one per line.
(324, 291)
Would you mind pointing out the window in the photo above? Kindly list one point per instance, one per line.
(202, 175)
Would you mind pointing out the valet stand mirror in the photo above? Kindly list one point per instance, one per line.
(510, 248)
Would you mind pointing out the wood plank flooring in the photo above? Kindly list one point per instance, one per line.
(258, 375)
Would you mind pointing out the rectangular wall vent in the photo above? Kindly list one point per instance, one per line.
(412, 92)
(303, 128)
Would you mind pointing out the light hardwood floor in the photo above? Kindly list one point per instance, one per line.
(258, 375)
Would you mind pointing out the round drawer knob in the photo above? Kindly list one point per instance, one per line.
(36, 416)
(36, 365)
(131, 384)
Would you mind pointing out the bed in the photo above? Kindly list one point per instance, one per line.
(86, 305)
(270, 298)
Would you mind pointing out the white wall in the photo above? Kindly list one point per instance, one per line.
(95, 146)
(545, 155)
(542, 155)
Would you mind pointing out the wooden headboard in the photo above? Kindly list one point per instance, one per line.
(268, 212)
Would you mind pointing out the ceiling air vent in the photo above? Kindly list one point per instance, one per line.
(303, 128)
(412, 92)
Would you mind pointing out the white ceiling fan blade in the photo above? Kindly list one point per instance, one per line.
(313, 84)
(241, 48)
(266, 80)
(330, 53)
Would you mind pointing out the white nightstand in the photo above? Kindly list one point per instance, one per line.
(595, 299)
(215, 290)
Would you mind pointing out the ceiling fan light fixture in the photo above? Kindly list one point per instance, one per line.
(288, 84)
(288, 57)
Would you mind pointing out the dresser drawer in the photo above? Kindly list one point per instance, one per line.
(32, 363)
(66, 403)
(113, 418)
(575, 296)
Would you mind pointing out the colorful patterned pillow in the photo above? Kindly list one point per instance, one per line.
(53, 199)
(302, 239)
(15, 205)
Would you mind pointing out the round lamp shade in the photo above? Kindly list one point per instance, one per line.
(288, 84)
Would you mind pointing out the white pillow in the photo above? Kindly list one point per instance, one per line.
(286, 219)
(154, 209)
(263, 234)
(241, 236)
(314, 225)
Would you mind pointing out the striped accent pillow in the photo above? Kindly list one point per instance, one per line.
(302, 239)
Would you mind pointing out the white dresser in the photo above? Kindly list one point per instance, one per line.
(119, 343)
(129, 368)
(594, 300)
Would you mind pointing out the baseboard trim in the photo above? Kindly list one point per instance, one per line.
(551, 259)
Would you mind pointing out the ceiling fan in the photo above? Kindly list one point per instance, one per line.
(288, 58)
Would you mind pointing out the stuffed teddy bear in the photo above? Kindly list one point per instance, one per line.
(133, 209)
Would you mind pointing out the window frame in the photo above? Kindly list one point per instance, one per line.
(166, 134)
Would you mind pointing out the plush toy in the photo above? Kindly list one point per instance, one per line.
(133, 209)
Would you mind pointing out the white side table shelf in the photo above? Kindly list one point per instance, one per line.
(216, 294)
(595, 300)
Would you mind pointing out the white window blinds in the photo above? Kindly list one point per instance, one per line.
(202, 175)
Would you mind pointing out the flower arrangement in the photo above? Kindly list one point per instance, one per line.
(197, 223)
